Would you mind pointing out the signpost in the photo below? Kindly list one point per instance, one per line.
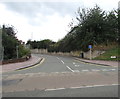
(17, 51)
(90, 47)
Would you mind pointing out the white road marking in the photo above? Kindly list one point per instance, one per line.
(95, 70)
(62, 62)
(76, 71)
(114, 84)
(77, 65)
(70, 68)
(112, 69)
(54, 89)
(85, 70)
(58, 58)
(55, 72)
(98, 85)
(50, 89)
(73, 62)
(105, 69)
(76, 87)
(65, 72)
(87, 86)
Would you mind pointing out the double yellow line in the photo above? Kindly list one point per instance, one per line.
(43, 59)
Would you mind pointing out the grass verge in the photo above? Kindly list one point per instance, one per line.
(111, 52)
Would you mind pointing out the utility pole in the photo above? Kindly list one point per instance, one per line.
(31, 36)
(17, 51)
(90, 54)
(90, 47)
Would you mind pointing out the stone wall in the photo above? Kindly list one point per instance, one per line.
(86, 55)
(41, 51)
(94, 53)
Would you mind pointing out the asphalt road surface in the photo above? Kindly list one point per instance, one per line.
(63, 64)
(76, 73)
(102, 91)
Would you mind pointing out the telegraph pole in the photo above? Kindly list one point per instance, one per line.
(90, 47)
(17, 51)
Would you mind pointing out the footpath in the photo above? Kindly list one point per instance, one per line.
(100, 62)
(15, 66)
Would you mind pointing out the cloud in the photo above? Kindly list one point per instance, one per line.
(36, 12)
(45, 20)
(17, 20)
(52, 27)
(56, 29)
(47, 8)
(107, 5)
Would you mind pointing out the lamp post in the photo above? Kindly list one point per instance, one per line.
(17, 51)
(90, 47)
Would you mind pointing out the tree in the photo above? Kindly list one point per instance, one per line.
(94, 27)
(10, 42)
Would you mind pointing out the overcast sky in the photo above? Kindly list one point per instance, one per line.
(45, 19)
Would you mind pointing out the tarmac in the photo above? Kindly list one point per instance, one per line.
(34, 60)
(45, 81)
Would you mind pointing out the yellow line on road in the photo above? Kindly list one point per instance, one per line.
(33, 66)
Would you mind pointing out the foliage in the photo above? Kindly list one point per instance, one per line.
(109, 53)
(10, 43)
(43, 44)
(94, 27)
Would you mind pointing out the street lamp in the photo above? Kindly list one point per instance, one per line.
(17, 51)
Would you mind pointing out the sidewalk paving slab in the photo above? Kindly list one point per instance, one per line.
(15, 66)
(100, 62)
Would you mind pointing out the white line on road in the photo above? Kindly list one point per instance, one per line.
(54, 89)
(112, 69)
(62, 62)
(87, 86)
(70, 68)
(58, 58)
(77, 65)
(73, 62)
(76, 71)
(105, 69)
(114, 84)
(85, 70)
(95, 70)
(98, 85)
(76, 87)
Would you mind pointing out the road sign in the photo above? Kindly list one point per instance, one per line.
(90, 46)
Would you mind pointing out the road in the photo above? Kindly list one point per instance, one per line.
(63, 64)
(103, 91)
(63, 75)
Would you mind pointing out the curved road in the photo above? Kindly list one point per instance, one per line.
(62, 76)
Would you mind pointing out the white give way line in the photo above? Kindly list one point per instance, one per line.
(70, 68)
(61, 60)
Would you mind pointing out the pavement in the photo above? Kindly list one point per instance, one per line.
(15, 66)
(35, 60)
(100, 62)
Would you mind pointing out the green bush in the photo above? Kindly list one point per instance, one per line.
(23, 51)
